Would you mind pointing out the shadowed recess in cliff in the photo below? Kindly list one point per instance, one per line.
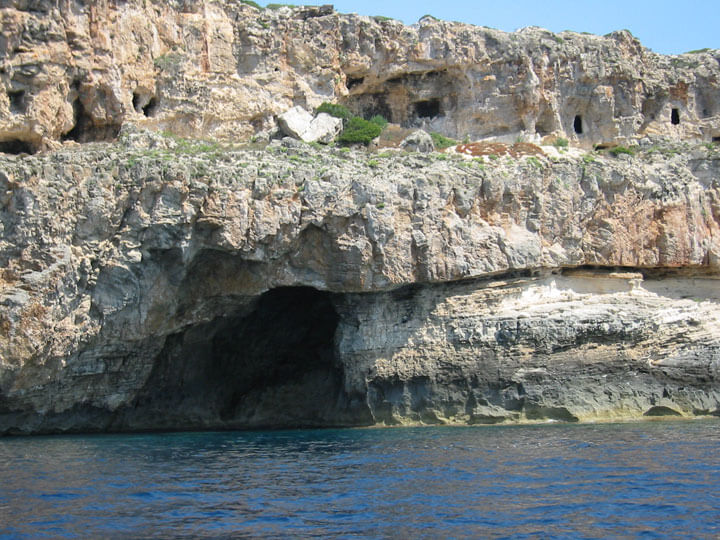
(273, 364)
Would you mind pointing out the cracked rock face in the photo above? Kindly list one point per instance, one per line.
(156, 285)
(149, 281)
(79, 71)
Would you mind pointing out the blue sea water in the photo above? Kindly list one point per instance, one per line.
(653, 480)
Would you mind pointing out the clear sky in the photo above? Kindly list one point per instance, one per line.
(669, 27)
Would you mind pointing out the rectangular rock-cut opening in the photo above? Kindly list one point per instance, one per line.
(716, 139)
(352, 82)
(675, 117)
(15, 146)
(578, 124)
(17, 102)
(427, 109)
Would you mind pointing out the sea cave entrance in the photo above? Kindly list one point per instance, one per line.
(272, 364)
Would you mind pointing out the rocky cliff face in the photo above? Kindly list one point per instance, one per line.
(152, 284)
(156, 282)
(76, 70)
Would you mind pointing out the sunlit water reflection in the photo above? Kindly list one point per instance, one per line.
(628, 480)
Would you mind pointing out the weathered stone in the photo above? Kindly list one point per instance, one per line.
(323, 128)
(418, 141)
(444, 290)
(295, 122)
(219, 70)
(167, 283)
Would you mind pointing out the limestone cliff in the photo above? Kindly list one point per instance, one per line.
(157, 282)
(77, 70)
(149, 284)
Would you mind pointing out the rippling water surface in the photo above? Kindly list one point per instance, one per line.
(618, 480)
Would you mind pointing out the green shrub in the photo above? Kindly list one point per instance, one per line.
(441, 142)
(617, 150)
(560, 142)
(535, 162)
(380, 121)
(335, 109)
(251, 3)
(278, 6)
(359, 130)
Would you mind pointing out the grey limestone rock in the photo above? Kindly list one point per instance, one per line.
(294, 122)
(184, 287)
(418, 141)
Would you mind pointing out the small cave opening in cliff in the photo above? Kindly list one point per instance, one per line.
(352, 82)
(716, 139)
(272, 364)
(16, 146)
(147, 105)
(84, 128)
(578, 124)
(18, 104)
(427, 109)
(675, 117)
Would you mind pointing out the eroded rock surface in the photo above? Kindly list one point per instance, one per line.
(78, 70)
(158, 283)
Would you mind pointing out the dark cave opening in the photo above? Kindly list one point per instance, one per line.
(144, 104)
(675, 117)
(427, 109)
(352, 82)
(16, 146)
(84, 129)
(578, 124)
(82, 123)
(716, 139)
(270, 365)
(18, 104)
(151, 108)
(287, 338)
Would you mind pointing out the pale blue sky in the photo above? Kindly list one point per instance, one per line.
(669, 27)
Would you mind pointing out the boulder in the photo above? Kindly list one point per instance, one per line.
(418, 141)
(295, 122)
(300, 124)
(324, 128)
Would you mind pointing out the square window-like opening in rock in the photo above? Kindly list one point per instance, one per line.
(427, 109)
(716, 139)
(675, 117)
(578, 124)
(352, 82)
(15, 146)
(17, 102)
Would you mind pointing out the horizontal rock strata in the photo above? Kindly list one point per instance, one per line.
(160, 283)
(78, 71)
